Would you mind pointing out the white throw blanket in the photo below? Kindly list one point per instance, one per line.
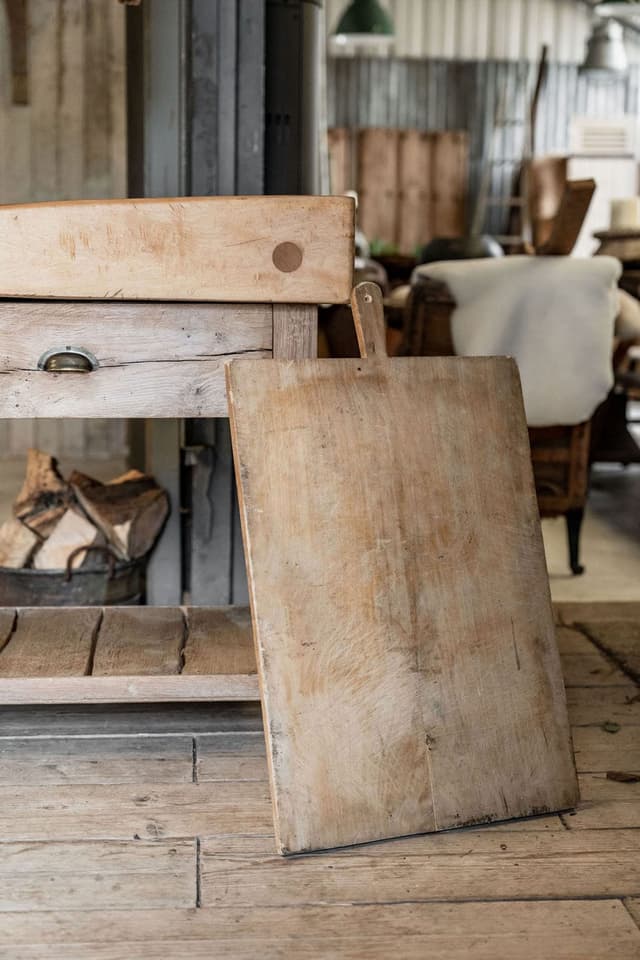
(554, 315)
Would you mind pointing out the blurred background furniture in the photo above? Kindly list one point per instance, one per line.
(612, 441)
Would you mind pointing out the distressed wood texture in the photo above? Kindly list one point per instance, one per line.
(242, 249)
(410, 676)
(89, 811)
(154, 359)
(218, 641)
(139, 642)
(154, 872)
(368, 319)
(295, 332)
(495, 864)
(103, 759)
(620, 641)
(563, 929)
(126, 654)
(128, 690)
(47, 643)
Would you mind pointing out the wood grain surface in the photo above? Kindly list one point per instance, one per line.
(127, 655)
(409, 671)
(562, 929)
(187, 248)
(154, 359)
(139, 641)
(45, 643)
(219, 641)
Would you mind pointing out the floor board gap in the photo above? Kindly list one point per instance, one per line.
(198, 874)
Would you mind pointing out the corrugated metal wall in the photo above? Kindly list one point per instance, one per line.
(457, 95)
(487, 29)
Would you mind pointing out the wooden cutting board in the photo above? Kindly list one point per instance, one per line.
(409, 674)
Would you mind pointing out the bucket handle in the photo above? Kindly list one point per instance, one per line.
(105, 551)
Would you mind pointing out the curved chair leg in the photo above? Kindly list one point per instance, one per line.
(574, 523)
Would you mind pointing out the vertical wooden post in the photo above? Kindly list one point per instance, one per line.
(227, 157)
(295, 331)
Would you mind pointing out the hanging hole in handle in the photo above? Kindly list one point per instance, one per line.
(67, 360)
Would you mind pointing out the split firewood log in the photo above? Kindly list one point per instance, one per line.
(71, 532)
(17, 544)
(45, 495)
(130, 510)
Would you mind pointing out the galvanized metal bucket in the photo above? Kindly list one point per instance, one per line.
(115, 583)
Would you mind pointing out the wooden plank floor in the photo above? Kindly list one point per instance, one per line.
(126, 654)
(145, 832)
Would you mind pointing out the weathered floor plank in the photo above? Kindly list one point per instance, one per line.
(124, 811)
(605, 805)
(96, 760)
(139, 641)
(564, 930)
(597, 705)
(219, 641)
(63, 876)
(161, 688)
(233, 756)
(46, 643)
(592, 670)
(620, 639)
(466, 864)
(603, 747)
(571, 642)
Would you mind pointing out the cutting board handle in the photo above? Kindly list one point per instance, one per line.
(368, 318)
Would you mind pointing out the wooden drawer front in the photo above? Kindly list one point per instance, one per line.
(154, 359)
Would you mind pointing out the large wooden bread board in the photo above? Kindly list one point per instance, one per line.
(409, 674)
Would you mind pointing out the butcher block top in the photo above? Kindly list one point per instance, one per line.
(227, 249)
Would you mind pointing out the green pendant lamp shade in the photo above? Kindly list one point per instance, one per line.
(365, 26)
(365, 16)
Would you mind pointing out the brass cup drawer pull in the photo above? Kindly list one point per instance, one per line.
(67, 360)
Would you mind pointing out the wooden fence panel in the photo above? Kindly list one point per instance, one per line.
(412, 185)
(449, 180)
(341, 156)
(377, 183)
(415, 214)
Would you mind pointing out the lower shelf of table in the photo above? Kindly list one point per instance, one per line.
(126, 655)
